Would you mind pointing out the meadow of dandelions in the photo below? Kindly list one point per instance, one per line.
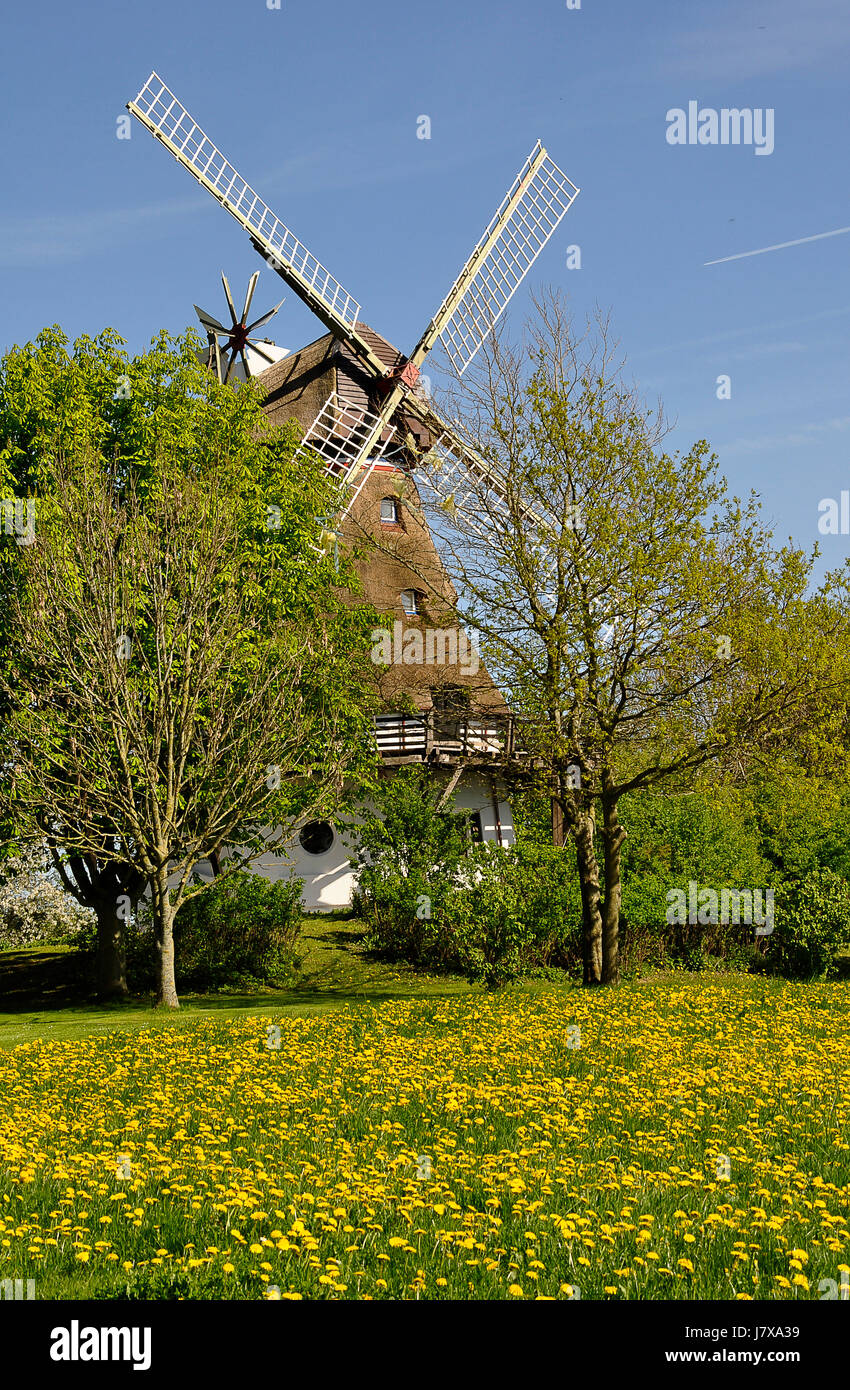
(540, 1142)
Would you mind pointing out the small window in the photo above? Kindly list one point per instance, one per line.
(389, 511)
(410, 601)
(476, 829)
(317, 837)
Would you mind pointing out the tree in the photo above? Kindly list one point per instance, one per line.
(642, 620)
(181, 671)
(94, 396)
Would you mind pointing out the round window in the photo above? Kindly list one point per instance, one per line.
(317, 837)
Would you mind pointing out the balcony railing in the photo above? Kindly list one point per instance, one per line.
(436, 733)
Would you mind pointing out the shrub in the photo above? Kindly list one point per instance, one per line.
(240, 930)
(519, 911)
(502, 913)
(34, 909)
(811, 924)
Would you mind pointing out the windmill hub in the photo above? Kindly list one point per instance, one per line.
(238, 338)
(407, 373)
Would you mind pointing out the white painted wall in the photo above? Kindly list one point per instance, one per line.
(329, 879)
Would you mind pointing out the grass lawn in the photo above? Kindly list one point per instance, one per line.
(44, 992)
(683, 1137)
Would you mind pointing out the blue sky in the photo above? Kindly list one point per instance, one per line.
(317, 106)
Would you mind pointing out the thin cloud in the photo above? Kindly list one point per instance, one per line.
(756, 350)
(712, 339)
(756, 445)
(49, 241)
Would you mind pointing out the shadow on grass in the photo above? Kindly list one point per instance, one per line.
(47, 992)
(46, 979)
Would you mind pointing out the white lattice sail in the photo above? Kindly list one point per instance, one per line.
(461, 483)
(456, 478)
(532, 210)
(168, 120)
(349, 440)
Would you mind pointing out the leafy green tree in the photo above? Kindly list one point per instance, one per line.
(642, 620)
(178, 664)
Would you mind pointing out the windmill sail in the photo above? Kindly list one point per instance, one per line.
(346, 438)
(168, 120)
(532, 210)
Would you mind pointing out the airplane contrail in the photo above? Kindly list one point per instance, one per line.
(780, 246)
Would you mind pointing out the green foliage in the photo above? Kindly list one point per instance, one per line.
(240, 930)
(518, 912)
(160, 417)
(704, 837)
(812, 924)
(803, 822)
(410, 853)
(404, 831)
(784, 832)
(431, 898)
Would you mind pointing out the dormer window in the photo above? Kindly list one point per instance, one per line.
(410, 602)
(389, 511)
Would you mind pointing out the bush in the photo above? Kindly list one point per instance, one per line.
(811, 924)
(519, 911)
(34, 909)
(242, 930)
(503, 912)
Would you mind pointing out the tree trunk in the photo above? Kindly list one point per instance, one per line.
(588, 872)
(111, 956)
(163, 916)
(613, 836)
(559, 832)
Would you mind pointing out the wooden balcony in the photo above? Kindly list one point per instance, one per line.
(480, 737)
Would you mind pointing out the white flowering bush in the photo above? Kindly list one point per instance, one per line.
(34, 908)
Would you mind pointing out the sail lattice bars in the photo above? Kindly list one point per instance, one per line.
(348, 440)
(532, 210)
(454, 477)
(168, 120)
(458, 481)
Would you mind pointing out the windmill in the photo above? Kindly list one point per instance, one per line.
(254, 355)
(350, 439)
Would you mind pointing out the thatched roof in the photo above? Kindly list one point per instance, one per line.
(389, 558)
